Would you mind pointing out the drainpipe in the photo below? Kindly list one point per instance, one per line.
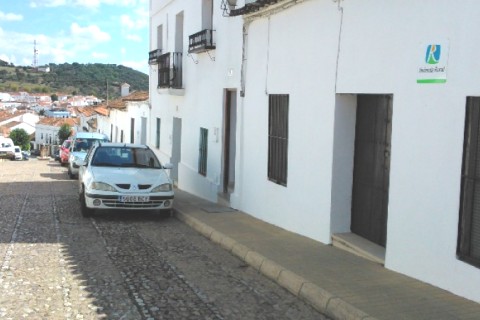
(243, 68)
(340, 9)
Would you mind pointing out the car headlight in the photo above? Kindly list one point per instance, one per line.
(101, 186)
(163, 188)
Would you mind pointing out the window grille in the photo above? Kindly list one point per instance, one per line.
(203, 151)
(468, 248)
(278, 138)
(157, 134)
(132, 130)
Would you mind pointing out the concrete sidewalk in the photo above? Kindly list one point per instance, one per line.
(337, 283)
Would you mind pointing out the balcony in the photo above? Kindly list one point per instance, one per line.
(201, 41)
(252, 6)
(170, 70)
(153, 56)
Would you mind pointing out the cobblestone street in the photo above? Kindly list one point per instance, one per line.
(55, 264)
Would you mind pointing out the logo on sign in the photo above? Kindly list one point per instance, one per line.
(433, 53)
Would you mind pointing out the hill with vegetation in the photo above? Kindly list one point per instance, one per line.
(74, 79)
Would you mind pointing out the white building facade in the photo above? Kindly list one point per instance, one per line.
(129, 124)
(329, 117)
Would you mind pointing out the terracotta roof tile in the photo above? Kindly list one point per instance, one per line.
(58, 122)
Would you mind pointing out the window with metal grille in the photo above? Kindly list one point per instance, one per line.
(468, 247)
(203, 150)
(132, 130)
(278, 138)
(157, 134)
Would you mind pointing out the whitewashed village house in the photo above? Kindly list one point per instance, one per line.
(329, 118)
(125, 119)
(46, 130)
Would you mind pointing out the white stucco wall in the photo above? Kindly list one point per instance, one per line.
(296, 51)
(200, 103)
(427, 128)
(292, 52)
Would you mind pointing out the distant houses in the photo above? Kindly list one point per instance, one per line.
(123, 119)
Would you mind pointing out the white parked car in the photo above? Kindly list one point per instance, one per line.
(18, 153)
(123, 176)
(81, 142)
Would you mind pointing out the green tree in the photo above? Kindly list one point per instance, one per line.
(20, 138)
(64, 132)
(54, 97)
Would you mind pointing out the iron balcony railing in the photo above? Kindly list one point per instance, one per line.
(153, 56)
(170, 70)
(251, 6)
(201, 41)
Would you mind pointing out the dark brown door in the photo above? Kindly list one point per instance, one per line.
(372, 167)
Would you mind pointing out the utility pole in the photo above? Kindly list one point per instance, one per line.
(106, 80)
(35, 55)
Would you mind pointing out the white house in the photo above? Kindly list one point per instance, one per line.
(19, 120)
(330, 118)
(127, 118)
(195, 56)
(46, 130)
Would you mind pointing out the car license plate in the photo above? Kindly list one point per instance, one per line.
(134, 198)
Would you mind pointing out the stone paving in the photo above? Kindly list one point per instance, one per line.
(55, 264)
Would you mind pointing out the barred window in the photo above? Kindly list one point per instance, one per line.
(468, 247)
(132, 130)
(203, 151)
(278, 138)
(157, 134)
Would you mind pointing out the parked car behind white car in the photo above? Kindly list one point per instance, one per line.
(81, 142)
(123, 176)
(18, 153)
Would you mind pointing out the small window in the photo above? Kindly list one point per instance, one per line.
(157, 134)
(278, 138)
(132, 130)
(203, 148)
(160, 37)
(468, 247)
(207, 14)
(121, 136)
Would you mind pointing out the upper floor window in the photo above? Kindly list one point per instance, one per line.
(160, 37)
(207, 14)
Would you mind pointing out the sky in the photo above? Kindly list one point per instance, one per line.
(82, 31)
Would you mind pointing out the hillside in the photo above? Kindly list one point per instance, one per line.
(75, 79)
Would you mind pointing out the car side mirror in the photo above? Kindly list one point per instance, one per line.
(168, 166)
(80, 162)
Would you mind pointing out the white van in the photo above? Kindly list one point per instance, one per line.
(81, 143)
(7, 150)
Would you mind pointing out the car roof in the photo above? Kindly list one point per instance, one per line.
(119, 145)
(95, 135)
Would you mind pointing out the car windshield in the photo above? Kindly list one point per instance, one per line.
(83, 144)
(125, 157)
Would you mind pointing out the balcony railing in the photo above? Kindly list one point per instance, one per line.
(170, 70)
(153, 56)
(252, 6)
(201, 41)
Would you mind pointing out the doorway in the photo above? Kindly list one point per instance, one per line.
(229, 142)
(371, 170)
(176, 148)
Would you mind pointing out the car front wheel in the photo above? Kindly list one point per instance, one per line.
(70, 174)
